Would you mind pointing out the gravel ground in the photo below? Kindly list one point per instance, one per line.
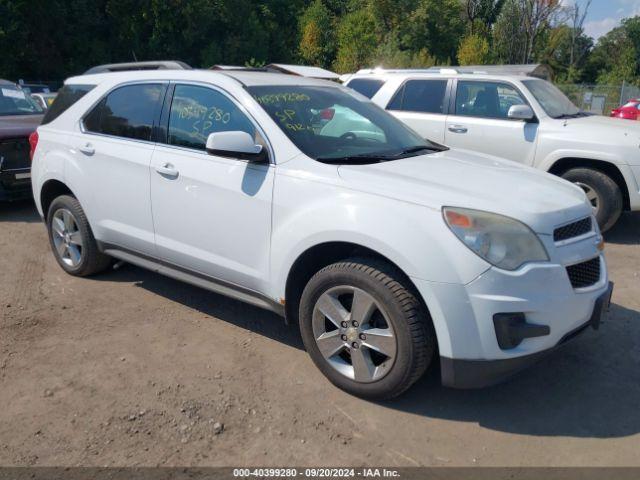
(131, 368)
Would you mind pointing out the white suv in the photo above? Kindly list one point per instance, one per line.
(524, 119)
(386, 249)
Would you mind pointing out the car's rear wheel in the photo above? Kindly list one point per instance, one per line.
(365, 329)
(72, 240)
(603, 193)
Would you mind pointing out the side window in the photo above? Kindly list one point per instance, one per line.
(197, 112)
(426, 96)
(366, 86)
(486, 99)
(127, 112)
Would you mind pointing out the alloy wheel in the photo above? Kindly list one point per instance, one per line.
(67, 238)
(354, 334)
(591, 194)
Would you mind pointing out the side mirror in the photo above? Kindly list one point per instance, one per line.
(521, 112)
(235, 144)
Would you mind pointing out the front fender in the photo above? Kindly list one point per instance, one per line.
(412, 236)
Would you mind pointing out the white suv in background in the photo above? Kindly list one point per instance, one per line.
(520, 118)
(386, 249)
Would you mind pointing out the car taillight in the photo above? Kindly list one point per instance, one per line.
(327, 114)
(33, 143)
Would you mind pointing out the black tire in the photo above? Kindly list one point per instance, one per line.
(609, 197)
(412, 327)
(92, 261)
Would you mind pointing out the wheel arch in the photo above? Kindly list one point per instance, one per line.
(51, 189)
(562, 165)
(319, 256)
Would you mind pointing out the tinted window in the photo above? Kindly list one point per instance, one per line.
(127, 112)
(426, 96)
(486, 99)
(366, 86)
(67, 96)
(197, 112)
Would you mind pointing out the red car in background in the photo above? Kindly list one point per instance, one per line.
(628, 111)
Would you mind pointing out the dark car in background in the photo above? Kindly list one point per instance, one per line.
(19, 116)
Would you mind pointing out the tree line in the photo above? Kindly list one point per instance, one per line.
(53, 39)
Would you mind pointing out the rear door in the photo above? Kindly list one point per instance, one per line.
(422, 105)
(113, 153)
(478, 121)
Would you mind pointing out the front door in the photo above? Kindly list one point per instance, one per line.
(211, 214)
(479, 121)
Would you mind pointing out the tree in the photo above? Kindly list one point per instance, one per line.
(474, 50)
(537, 16)
(317, 42)
(356, 41)
(615, 57)
(390, 55)
(483, 12)
(508, 34)
(435, 26)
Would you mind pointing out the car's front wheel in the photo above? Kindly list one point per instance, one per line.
(602, 192)
(72, 240)
(365, 329)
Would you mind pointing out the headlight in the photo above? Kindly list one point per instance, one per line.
(501, 241)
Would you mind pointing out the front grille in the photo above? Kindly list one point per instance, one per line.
(572, 230)
(584, 274)
(14, 154)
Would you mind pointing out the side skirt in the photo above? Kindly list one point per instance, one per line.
(194, 278)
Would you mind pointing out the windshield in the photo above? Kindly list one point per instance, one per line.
(552, 100)
(334, 125)
(14, 101)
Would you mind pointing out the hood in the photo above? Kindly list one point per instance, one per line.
(610, 129)
(462, 178)
(18, 125)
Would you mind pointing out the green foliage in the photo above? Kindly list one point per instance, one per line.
(436, 26)
(53, 39)
(317, 35)
(474, 50)
(356, 40)
(615, 57)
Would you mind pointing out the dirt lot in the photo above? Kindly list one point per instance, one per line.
(131, 368)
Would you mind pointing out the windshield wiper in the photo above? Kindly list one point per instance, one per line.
(572, 115)
(365, 158)
(382, 157)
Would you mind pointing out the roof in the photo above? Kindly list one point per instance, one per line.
(6, 82)
(246, 77)
(530, 70)
(305, 71)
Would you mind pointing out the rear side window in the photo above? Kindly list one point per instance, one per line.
(425, 96)
(196, 112)
(67, 96)
(127, 112)
(366, 86)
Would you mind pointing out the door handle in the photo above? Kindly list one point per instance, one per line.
(87, 149)
(458, 129)
(167, 170)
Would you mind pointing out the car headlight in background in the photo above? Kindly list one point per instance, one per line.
(501, 241)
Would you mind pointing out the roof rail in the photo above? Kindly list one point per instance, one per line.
(124, 67)
(444, 70)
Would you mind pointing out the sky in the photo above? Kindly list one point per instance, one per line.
(604, 15)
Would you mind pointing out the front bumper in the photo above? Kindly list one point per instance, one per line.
(483, 373)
